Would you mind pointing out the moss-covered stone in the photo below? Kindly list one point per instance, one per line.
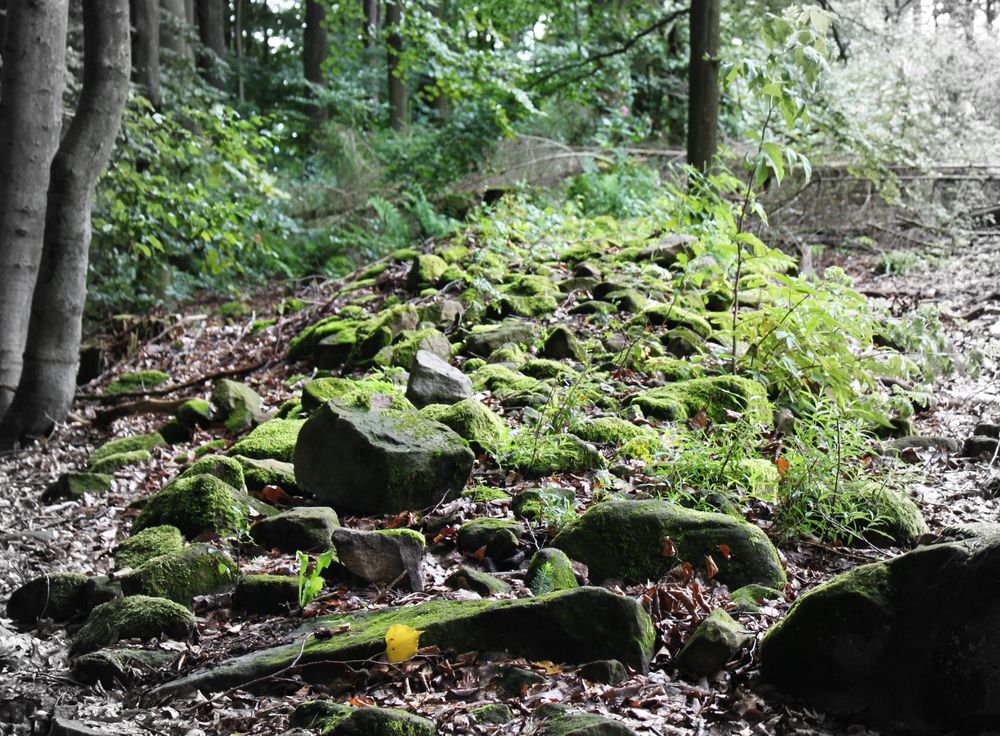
(539, 504)
(718, 396)
(607, 430)
(409, 534)
(468, 578)
(266, 594)
(333, 350)
(492, 714)
(540, 455)
(137, 382)
(896, 518)
(442, 314)
(274, 439)
(333, 719)
(405, 349)
(306, 528)
(509, 354)
(118, 667)
(134, 617)
(195, 413)
(111, 463)
(672, 369)
(426, 270)
(543, 368)
(671, 316)
(682, 342)
(484, 339)
(486, 494)
(330, 328)
(216, 445)
(558, 720)
(523, 306)
(200, 569)
(237, 405)
(362, 393)
(125, 445)
(59, 596)
(226, 469)
(605, 671)
(143, 546)
(716, 641)
(261, 473)
(199, 504)
(562, 344)
(749, 598)
(471, 420)
(73, 486)
(498, 536)
(550, 569)
(626, 540)
(572, 626)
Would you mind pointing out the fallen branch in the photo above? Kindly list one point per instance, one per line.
(227, 373)
(104, 417)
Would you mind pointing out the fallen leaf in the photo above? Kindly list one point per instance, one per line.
(276, 494)
(548, 667)
(480, 553)
(668, 547)
(724, 550)
(401, 642)
(782, 466)
(711, 567)
(699, 420)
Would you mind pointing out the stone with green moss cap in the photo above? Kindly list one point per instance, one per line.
(487, 338)
(274, 439)
(406, 346)
(224, 468)
(361, 393)
(550, 569)
(673, 315)
(717, 640)
(471, 420)
(125, 446)
(556, 719)
(59, 596)
(117, 667)
(266, 594)
(330, 327)
(379, 462)
(500, 537)
(267, 472)
(626, 540)
(425, 270)
(111, 463)
(333, 719)
(134, 617)
(195, 413)
(199, 504)
(610, 430)
(896, 519)
(237, 405)
(147, 544)
(201, 569)
(720, 397)
(468, 578)
(572, 626)
(73, 486)
(136, 382)
(562, 344)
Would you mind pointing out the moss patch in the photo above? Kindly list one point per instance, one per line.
(136, 382)
(717, 396)
(147, 544)
(135, 617)
(471, 420)
(126, 445)
(200, 569)
(274, 439)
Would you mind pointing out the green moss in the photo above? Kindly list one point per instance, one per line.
(549, 570)
(509, 353)
(682, 342)
(545, 368)
(273, 439)
(523, 306)
(267, 472)
(453, 254)
(748, 598)
(471, 420)
(333, 719)
(200, 569)
(558, 720)
(136, 382)
(485, 494)
(152, 542)
(198, 504)
(426, 270)
(73, 486)
(492, 714)
(405, 255)
(546, 503)
(672, 315)
(610, 430)
(672, 369)
(896, 518)
(501, 381)
(59, 596)
(211, 446)
(195, 413)
(717, 640)
(404, 350)
(266, 594)
(546, 454)
(234, 310)
(410, 534)
(361, 393)
(225, 468)
(126, 445)
(120, 667)
(134, 617)
(498, 536)
(717, 396)
(529, 285)
(111, 463)
(305, 342)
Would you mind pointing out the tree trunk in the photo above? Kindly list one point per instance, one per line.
(3, 27)
(170, 37)
(31, 90)
(145, 16)
(394, 49)
(369, 26)
(238, 48)
(442, 105)
(48, 382)
(314, 49)
(703, 84)
(212, 31)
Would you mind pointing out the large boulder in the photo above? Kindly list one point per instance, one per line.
(913, 640)
(572, 626)
(642, 540)
(379, 462)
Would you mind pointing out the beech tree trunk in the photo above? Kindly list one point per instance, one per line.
(314, 48)
(212, 31)
(398, 113)
(369, 26)
(48, 380)
(170, 38)
(146, 47)
(703, 92)
(31, 87)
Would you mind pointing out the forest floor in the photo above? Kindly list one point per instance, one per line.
(80, 536)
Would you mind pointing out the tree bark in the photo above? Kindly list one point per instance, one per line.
(703, 84)
(398, 113)
(369, 26)
(212, 31)
(48, 381)
(314, 49)
(170, 37)
(238, 48)
(145, 16)
(31, 88)
(442, 105)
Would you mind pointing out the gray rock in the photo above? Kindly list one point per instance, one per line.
(486, 341)
(118, 667)
(306, 528)
(467, 578)
(498, 536)
(378, 557)
(237, 405)
(977, 446)
(377, 463)
(434, 381)
(922, 443)
(716, 641)
(562, 344)
(605, 671)
(912, 640)
(445, 313)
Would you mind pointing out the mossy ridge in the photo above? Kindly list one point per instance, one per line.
(718, 396)
(200, 569)
(124, 445)
(151, 542)
(370, 392)
(136, 382)
(134, 617)
(274, 439)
